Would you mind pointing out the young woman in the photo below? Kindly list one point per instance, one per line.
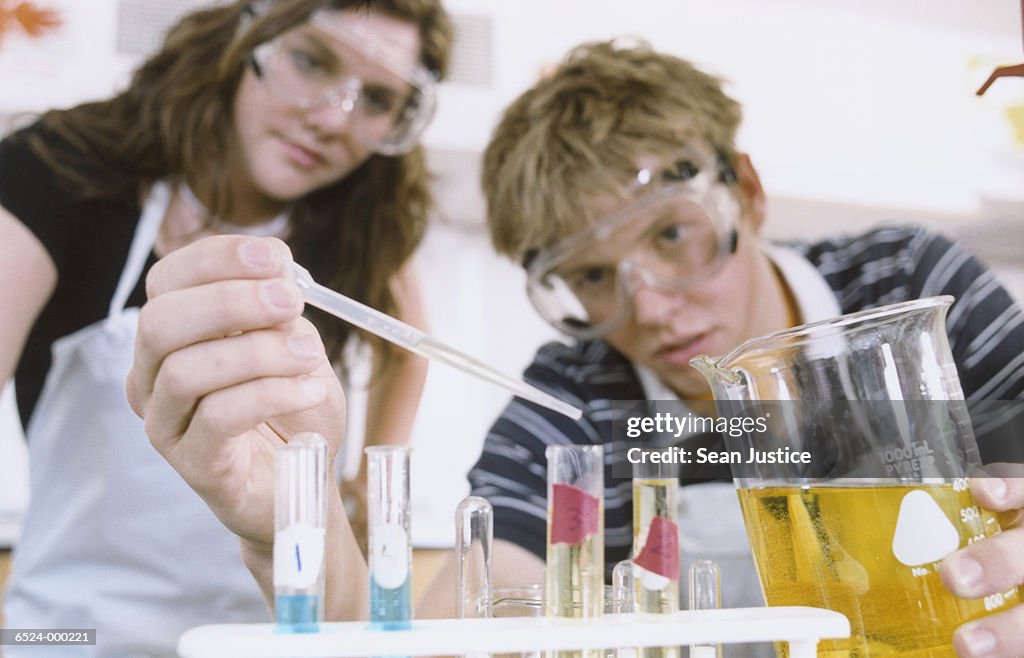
(289, 118)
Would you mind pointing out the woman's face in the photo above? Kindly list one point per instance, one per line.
(284, 150)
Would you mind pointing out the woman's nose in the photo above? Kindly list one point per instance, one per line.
(329, 120)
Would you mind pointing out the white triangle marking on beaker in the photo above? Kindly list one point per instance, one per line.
(924, 534)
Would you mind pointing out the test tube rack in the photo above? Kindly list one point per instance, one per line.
(801, 627)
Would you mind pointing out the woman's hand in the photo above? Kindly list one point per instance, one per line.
(988, 568)
(226, 370)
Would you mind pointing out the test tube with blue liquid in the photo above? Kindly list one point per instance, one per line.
(300, 519)
(390, 549)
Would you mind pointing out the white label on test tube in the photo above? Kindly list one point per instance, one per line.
(300, 518)
(298, 555)
(391, 555)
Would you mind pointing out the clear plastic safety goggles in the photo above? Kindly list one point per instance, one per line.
(677, 228)
(388, 96)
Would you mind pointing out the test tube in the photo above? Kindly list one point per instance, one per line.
(623, 587)
(704, 579)
(474, 536)
(656, 536)
(575, 551)
(390, 549)
(656, 544)
(300, 520)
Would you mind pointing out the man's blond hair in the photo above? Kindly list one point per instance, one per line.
(577, 133)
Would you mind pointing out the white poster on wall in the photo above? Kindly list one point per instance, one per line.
(55, 53)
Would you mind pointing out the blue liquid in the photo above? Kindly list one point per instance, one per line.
(390, 609)
(297, 613)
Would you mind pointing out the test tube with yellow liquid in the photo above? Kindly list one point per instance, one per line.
(656, 544)
(575, 549)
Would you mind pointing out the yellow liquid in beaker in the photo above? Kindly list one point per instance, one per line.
(832, 547)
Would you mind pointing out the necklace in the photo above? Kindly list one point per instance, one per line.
(275, 226)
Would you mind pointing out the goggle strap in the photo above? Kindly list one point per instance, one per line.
(255, 64)
(726, 173)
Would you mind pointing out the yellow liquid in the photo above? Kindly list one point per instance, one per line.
(651, 498)
(575, 579)
(831, 547)
(575, 582)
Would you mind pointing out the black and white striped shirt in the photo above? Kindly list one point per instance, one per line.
(884, 266)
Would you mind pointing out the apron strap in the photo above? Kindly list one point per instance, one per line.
(153, 212)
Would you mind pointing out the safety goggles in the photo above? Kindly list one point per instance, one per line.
(388, 96)
(676, 229)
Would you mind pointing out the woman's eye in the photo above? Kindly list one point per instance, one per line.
(307, 62)
(379, 101)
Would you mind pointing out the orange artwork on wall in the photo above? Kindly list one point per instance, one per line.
(29, 18)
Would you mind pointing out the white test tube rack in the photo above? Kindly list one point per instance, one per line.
(801, 627)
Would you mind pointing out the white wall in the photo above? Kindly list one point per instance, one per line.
(856, 111)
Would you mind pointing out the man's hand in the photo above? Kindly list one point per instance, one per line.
(990, 567)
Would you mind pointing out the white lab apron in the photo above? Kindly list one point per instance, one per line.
(114, 539)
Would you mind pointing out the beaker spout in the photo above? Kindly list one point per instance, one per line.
(715, 374)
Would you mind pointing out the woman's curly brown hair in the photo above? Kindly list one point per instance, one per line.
(174, 120)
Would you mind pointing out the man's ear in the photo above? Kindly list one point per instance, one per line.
(750, 187)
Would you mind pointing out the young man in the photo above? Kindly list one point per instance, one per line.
(617, 182)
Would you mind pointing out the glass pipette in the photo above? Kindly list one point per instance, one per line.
(418, 342)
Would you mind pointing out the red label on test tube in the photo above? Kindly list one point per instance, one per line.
(574, 514)
(660, 553)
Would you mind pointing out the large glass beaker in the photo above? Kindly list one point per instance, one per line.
(860, 522)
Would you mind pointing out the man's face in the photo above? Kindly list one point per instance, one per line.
(660, 280)
(664, 330)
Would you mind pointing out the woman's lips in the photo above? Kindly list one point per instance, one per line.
(679, 353)
(303, 157)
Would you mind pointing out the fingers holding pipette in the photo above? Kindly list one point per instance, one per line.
(189, 316)
(219, 258)
(189, 374)
(225, 370)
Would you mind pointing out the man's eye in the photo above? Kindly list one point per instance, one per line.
(671, 234)
(681, 170)
(590, 278)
